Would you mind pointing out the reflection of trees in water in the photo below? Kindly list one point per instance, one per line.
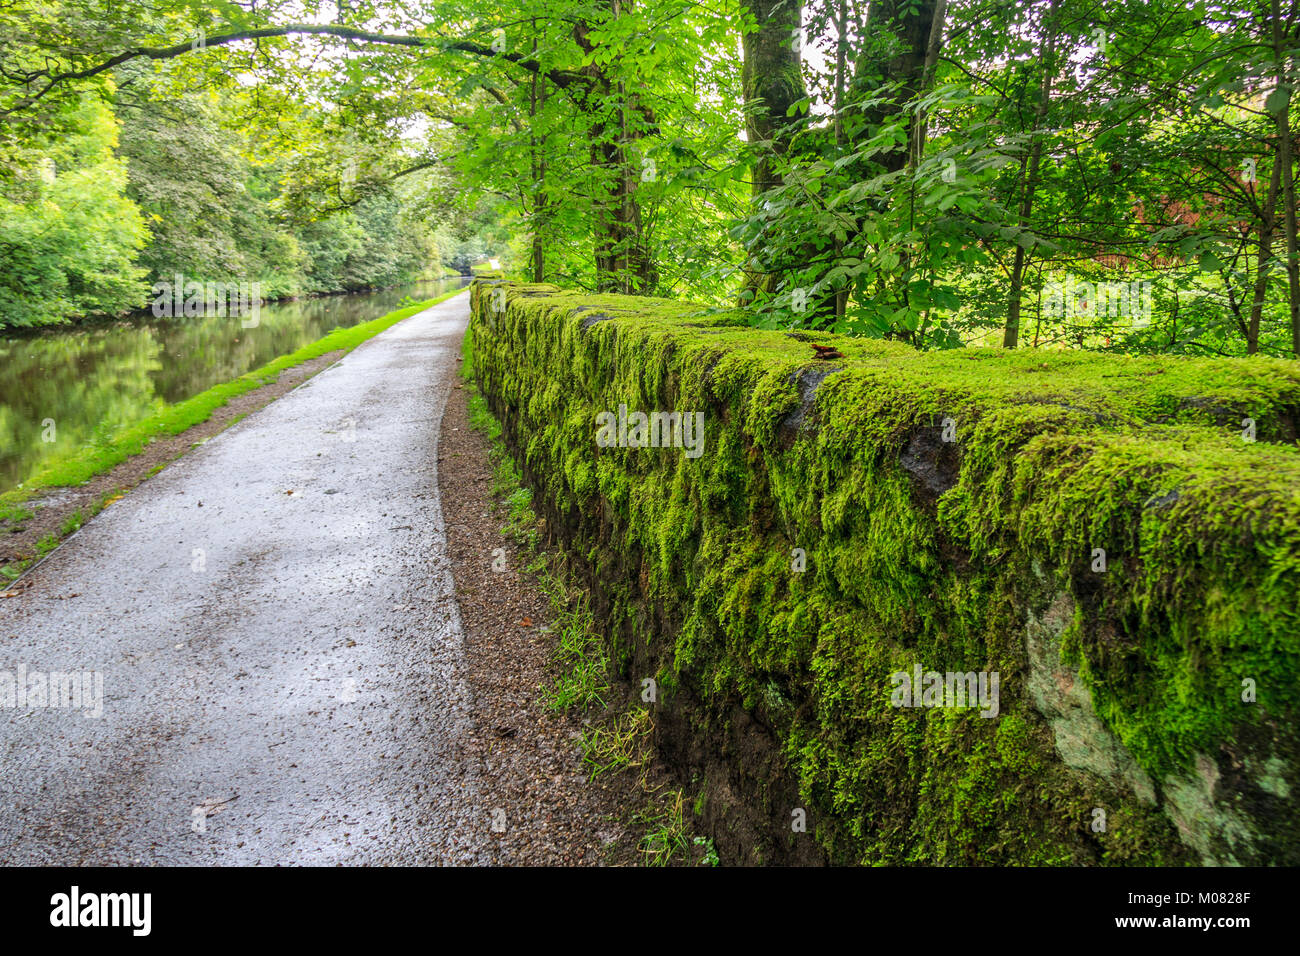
(93, 381)
(89, 382)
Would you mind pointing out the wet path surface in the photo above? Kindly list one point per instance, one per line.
(280, 649)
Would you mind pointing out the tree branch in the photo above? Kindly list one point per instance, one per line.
(564, 79)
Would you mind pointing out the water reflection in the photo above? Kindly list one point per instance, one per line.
(92, 380)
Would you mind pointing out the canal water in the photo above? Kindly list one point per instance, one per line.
(91, 380)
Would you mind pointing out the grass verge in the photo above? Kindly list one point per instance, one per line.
(100, 456)
(617, 740)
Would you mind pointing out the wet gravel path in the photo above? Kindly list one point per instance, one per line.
(552, 811)
(280, 649)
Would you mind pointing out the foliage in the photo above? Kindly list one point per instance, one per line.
(938, 173)
(68, 234)
(1049, 144)
(921, 551)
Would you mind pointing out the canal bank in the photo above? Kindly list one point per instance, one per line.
(65, 388)
(68, 490)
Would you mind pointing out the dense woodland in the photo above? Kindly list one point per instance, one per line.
(1059, 173)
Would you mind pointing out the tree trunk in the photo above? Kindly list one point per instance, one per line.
(908, 25)
(841, 62)
(1011, 334)
(773, 82)
(934, 41)
(623, 263)
(537, 100)
(1267, 227)
(1285, 157)
(911, 30)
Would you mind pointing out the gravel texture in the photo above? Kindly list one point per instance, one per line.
(286, 675)
(530, 755)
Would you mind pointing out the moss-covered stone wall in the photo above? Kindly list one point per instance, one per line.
(1117, 538)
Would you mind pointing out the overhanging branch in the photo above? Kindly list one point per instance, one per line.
(564, 79)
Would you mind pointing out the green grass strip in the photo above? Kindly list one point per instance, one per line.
(86, 462)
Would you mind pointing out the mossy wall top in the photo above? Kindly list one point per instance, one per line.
(1117, 537)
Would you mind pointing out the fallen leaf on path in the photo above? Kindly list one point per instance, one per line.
(526, 622)
(212, 806)
(16, 590)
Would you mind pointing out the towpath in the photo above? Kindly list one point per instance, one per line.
(280, 648)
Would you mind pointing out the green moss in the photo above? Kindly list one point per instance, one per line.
(921, 550)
